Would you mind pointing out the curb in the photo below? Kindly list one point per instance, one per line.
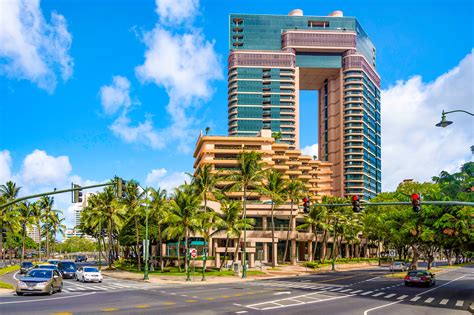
(471, 308)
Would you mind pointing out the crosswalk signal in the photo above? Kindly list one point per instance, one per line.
(356, 203)
(306, 205)
(120, 187)
(76, 194)
(415, 202)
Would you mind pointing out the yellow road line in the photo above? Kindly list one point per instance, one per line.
(109, 309)
(210, 298)
(142, 306)
(225, 296)
(62, 313)
(191, 301)
(238, 294)
(169, 303)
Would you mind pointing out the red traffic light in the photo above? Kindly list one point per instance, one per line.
(355, 198)
(415, 197)
(305, 199)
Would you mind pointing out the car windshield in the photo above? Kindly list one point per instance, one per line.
(40, 273)
(397, 263)
(27, 264)
(89, 269)
(69, 266)
(48, 267)
(417, 273)
(54, 262)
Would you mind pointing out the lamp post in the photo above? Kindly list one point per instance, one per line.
(444, 122)
(146, 243)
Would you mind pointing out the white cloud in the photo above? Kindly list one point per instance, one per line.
(142, 133)
(115, 96)
(42, 169)
(176, 12)
(30, 47)
(161, 178)
(5, 166)
(310, 150)
(412, 147)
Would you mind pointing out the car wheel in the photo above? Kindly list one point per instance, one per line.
(82, 280)
(51, 290)
(19, 293)
(60, 289)
(407, 284)
(100, 281)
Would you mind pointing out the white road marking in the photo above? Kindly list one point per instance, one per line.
(416, 298)
(296, 298)
(46, 299)
(15, 274)
(440, 286)
(284, 292)
(402, 297)
(366, 293)
(444, 301)
(389, 296)
(378, 294)
(429, 300)
(381, 306)
(346, 290)
(241, 312)
(459, 303)
(357, 291)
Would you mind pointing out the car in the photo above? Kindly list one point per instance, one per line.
(25, 266)
(48, 266)
(88, 274)
(53, 261)
(68, 269)
(81, 258)
(419, 277)
(39, 280)
(398, 266)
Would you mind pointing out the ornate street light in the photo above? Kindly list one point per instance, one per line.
(444, 122)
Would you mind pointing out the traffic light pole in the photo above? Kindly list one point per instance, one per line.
(54, 193)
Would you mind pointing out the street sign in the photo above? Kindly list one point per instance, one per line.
(193, 252)
(391, 253)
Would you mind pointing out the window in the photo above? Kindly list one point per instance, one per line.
(322, 24)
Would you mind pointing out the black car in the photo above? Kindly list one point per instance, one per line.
(25, 266)
(81, 258)
(68, 269)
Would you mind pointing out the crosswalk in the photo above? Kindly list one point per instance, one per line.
(89, 287)
(376, 293)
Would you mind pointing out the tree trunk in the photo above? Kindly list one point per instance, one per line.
(334, 242)
(225, 253)
(2, 245)
(315, 243)
(161, 248)
(186, 250)
(274, 261)
(177, 252)
(324, 247)
(23, 245)
(290, 225)
(137, 245)
(416, 255)
(110, 245)
(448, 254)
(47, 243)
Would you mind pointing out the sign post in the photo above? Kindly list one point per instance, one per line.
(193, 254)
(391, 254)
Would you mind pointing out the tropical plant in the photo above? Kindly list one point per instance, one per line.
(9, 191)
(294, 192)
(159, 212)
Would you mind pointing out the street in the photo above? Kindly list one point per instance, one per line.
(352, 292)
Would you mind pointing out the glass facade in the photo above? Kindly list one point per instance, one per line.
(273, 56)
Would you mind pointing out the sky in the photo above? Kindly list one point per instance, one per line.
(92, 89)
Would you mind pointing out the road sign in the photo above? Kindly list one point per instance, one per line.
(391, 253)
(193, 252)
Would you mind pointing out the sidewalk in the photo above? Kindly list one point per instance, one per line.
(270, 273)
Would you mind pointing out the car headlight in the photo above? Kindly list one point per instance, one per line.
(21, 284)
(41, 284)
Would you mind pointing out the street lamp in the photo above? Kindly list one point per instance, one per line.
(444, 122)
(146, 243)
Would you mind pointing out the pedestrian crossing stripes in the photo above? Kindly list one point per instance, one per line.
(104, 287)
(343, 291)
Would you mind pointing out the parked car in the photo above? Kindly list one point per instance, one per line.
(25, 267)
(81, 258)
(398, 266)
(40, 281)
(422, 277)
(88, 274)
(68, 269)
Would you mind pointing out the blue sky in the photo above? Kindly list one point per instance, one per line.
(425, 46)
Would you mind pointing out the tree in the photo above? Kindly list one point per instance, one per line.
(315, 220)
(9, 192)
(294, 192)
(246, 179)
(183, 218)
(50, 219)
(274, 187)
(26, 218)
(133, 205)
(159, 208)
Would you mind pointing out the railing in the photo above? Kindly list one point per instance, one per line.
(260, 59)
(318, 39)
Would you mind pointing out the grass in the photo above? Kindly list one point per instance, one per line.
(255, 273)
(4, 285)
(274, 268)
(4, 271)
(456, 266)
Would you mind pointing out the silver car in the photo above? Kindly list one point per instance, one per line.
(40, 281)
(398, 266)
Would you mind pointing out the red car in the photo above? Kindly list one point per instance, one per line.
(422, 277)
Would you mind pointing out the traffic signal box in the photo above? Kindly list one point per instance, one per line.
(415, 202)
(76, 194)
(356, 204)
(120, 187)
(306, 205)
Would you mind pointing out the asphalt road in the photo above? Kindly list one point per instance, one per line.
(353, 292)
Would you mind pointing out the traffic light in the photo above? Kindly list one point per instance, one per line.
(356, 204)
(415, 202)
(76, 194)
(120, 187)
(306, 205)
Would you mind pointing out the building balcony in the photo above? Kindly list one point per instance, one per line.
(324, 40)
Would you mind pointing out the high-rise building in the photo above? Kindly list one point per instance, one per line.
(34, 233)
(273, 57)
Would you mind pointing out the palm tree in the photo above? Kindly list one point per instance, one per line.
(231, 223)
(9, 191)
(294, 192)
(49, 219)
(274, 187)
(277, 136)
(58, 227)
(183, 219)
(158, 214)
(248, 175)
(27, 219)
(133, 203)
(207, 130)
(316, 220)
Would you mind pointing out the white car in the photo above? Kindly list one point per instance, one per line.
(398, 265)
(88, 274)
